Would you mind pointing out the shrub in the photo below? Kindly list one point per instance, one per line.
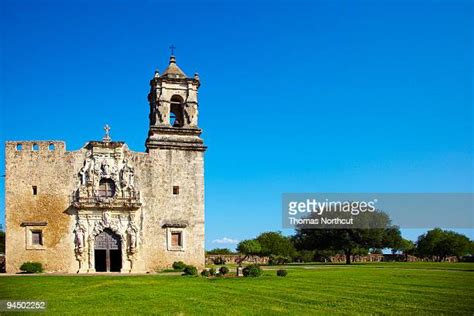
(223, 270)
(219, 261)
(252, 270)
(205, 273)
(179, 265)
(282, 273)
(212, 271)
(31, 267)
(190, 270)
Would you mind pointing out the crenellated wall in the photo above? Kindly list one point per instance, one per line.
(51, 171)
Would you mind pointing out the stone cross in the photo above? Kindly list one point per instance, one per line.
(172, 47)
(107, 135)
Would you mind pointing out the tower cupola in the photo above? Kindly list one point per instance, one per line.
(174, 110)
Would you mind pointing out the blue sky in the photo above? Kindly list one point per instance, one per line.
(305, 96)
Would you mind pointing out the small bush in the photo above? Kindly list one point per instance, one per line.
(223, 270)
(205, 273)
(282, 273)
(252, 270)
(179, 265)
(212, 271)
(190, 270)
(31, 267)
(219, 261)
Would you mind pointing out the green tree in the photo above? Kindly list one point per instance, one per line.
(392, 237)
(406, 247)
(219, 251)
(275, 244)
(349, 241)
(442, 243)
(376, 251)
(249, 247)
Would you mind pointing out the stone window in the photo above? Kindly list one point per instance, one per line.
(176, 111)
(106, 188)
(51, 147)
(34, 235)
(35, 190)
(19, 146)
(35, 147)
(36, 238)
(175, 239)
(176, 190)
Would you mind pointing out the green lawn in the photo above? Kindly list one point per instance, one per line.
(429, 288)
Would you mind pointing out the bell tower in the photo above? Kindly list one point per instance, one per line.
(174, 111)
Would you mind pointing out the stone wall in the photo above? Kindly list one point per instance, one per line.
(166, 168)
(235, 259)
(52, 171)
(56, 174)
(385, 258)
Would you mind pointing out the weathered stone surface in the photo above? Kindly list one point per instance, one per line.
(236, 259)
(71, 211)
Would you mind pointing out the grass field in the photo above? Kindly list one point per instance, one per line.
(429, 288)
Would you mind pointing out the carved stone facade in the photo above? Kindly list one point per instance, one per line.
(105, 207)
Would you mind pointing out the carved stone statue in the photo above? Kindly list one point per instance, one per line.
(132, 232)
(90, 191)
(90, 163)
(87, 171)
(106, 218)
(127, 175)
(105, 169)
(79, 241)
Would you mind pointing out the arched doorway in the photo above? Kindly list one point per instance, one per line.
(176, 111)
(108, 252)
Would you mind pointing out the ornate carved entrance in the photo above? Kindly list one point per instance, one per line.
(108, 252)
(106, 198)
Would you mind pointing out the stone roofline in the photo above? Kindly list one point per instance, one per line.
(195, 81)
(35, 145)
(58, 146)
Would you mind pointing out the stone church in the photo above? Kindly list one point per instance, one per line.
(105, 208)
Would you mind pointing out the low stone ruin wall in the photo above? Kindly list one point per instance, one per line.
(234, 259)
(356, 258)
(385, 258)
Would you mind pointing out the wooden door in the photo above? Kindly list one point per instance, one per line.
(109, 242)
